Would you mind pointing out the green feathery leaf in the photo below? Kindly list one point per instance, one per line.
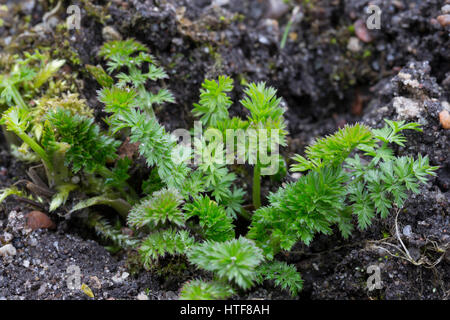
(215, 222)
(334, 149)
(285, 276)
(89, 149)
(214, 101)
(202, 290)
(160, 209)
(163, 242)
(234, 260)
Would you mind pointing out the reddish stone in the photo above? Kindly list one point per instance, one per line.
(39, 220)
(362, 32)
(444, 20)
(444, 118)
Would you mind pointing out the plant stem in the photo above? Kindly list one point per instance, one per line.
(285, 34)
(18, 100)
(112, 200)
(120, 205)
(36, 148)
(17, 97)
(257, 186)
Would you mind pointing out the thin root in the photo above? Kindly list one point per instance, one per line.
(403, 252)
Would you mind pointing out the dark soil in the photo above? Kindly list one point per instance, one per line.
(403, 72)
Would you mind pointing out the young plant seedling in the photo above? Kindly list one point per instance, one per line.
(24, 81)
(179, 215)
(264, 128)
(60, 133)
(338, 185)
(189, 210)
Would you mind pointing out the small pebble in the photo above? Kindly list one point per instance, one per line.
(354, 45)
(277, 8)
(446, 9)
(142, 296)
(262, 39)
(362, 32)
(109, 34)
(7, 237)
(39, 220)
(32, 242)
(42, 289)
(444, 118)
(75, 179)
(95, 282)
(8, 251)
(444, 20)
(407, 231)
(296, 175)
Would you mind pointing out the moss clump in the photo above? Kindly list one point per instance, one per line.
(70, 102)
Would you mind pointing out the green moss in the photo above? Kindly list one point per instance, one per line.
(243, 79)
(238, 18)
(175, 59)
(133, 263)
(99, 13)
(351, 29)
(367, 53)
(173, 266)
(70, 102)
(308, 4)
(64, 50)
(272, 65)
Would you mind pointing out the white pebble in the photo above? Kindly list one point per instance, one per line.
(354, 44)
(8, 250)
(142, 296)
(296, 175)
(7, 237)
(407, 231)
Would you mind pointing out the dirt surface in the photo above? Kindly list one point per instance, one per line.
(398, 72)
